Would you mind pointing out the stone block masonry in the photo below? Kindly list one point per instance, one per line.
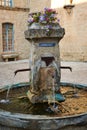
(16, 15)
(73, 47)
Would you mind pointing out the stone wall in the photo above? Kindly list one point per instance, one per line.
(21, 3)
(17, 15)
(73, 47)
(39, 5)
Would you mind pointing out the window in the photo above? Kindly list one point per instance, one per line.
(6, 3)
(8, 37)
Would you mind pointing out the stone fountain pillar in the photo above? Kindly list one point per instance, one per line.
(45, 61)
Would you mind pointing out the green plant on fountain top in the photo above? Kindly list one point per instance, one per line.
(47, 17)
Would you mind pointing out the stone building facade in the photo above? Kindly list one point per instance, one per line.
(73, 47)
(13, 22)
(73, 17)
(14, 15)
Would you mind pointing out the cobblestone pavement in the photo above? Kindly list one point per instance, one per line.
(78, 74)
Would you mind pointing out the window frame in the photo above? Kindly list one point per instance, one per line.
(8, 37)
(6, 3)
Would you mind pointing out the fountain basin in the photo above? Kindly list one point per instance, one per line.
(17, 121)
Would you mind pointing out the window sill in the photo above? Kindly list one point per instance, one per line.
(14, 8)
(9, 55)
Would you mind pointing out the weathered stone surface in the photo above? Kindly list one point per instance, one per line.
(38, 31)
(30, 122)
(73, 46)
(43, 85)
(7, 56)
(45, 68)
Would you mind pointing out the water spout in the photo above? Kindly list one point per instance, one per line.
(66, 67)
(21, 70)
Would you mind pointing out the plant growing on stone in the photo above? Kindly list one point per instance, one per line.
(47, 17)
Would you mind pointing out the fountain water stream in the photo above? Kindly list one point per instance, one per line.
(32, 63)
(6, 100)
(8, 90)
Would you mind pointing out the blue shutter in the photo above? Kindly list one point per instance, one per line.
(11, 3)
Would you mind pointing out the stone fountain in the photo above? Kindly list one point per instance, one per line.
(44, 83)
(45, 62)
